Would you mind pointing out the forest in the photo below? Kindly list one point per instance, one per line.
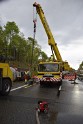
(17, 50)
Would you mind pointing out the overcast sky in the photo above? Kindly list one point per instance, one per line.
(65, 18)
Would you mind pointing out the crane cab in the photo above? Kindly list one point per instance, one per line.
(49, 73)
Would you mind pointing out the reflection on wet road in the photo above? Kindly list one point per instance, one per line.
(67, 108)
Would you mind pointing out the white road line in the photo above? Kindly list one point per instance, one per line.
(19, 87)
(60, 88)
(37, 117)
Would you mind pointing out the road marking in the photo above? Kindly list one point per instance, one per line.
(30, 85)
(60, 88)
(25, 86)
(19, 87)
(37, 117)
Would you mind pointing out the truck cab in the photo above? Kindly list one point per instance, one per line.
(6, 78)
(49, 73)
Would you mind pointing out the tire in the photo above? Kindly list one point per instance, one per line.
(6, 87)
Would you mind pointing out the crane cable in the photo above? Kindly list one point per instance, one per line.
(34, 32)
(52, 53)
(33, 40)
(34, 21)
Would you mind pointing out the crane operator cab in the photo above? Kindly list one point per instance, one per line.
(49, 73)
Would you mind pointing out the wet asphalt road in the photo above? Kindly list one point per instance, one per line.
(67, 108)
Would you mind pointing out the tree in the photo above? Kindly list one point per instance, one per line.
(16, 47)
(35, 50)
(81, 66)
(44, 56)
(11, 29)
(1, 40)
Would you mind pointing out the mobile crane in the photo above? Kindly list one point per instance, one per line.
(50, 71)
(51, 40)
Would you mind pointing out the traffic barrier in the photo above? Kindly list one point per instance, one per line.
(36, 79)
(70, 77)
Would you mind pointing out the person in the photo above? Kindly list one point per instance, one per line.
(26, 76)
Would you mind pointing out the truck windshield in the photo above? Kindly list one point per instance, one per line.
(51, 67)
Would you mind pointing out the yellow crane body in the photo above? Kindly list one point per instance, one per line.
(61, 65)
(51, 40)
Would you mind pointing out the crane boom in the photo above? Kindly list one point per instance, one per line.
(51, 40)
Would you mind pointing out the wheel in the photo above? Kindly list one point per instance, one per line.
(6, 87)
